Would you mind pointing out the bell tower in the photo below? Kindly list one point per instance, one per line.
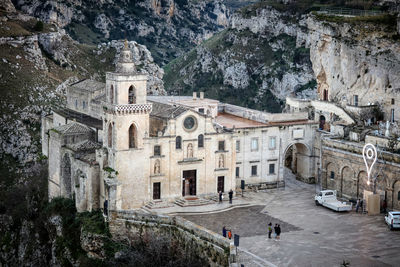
(125, 125)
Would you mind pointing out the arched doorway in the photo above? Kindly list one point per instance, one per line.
(362, 184)
(347, 183)
(396, 195)
(297, 159)
(132, 136)
(132, 95)
(322, 121)
(331, 177)
(66, 175)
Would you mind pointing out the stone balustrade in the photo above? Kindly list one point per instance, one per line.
(127, 108)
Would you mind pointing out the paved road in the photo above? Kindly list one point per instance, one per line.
(311, 235)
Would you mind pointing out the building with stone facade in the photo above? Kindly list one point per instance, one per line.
(114, 144)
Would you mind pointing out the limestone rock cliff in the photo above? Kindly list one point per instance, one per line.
(167, 27)
(258, 61)
(355, 58)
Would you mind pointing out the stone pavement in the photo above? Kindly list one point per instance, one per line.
(311, 235)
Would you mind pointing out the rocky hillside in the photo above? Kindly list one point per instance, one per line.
(167, 27)
(355, 56)
(256, 62)
(37, 61)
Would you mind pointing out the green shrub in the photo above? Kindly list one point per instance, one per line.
(39, 26)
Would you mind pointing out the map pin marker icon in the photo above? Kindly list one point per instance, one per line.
(369, 155)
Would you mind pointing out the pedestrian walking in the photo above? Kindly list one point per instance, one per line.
(357, 205)
(278, 232)
(275, 231)
(224, 231)
(230, 196)
(230, 234)
(220, 196)
(362, 205)
(269, 230)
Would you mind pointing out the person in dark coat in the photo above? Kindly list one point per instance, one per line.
(230, 196)
(220, 196)
(278, 232)
(224, 231)
(269, 230)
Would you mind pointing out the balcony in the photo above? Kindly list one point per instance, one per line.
(127, 108)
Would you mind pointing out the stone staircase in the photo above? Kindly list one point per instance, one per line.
(192, 201)
(157, 204)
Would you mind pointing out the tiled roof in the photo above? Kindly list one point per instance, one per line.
(89, 85)
(166, 111)
(73, 128)
(85, 145)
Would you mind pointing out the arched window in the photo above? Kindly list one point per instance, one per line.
(110, 128)
(131, 95)
(112, 94)
(200, 141)
(178, 142)
(132, 136)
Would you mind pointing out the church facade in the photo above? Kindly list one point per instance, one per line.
(112, 143)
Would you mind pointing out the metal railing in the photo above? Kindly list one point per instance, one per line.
(342, 11)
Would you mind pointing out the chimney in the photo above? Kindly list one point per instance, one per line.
(194, 95)
(201, 95)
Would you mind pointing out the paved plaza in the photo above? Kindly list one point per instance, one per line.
(311, 235)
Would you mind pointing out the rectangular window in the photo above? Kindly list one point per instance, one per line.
(83, 104)
(332, 175)
(355, 100)
(237, 171)
(221, 145)
(254, 144)
(398, 196)
(392, 101)
(392, 115)
(254, 170)
(237, 146)
(272, 168)
(272, 142)
(201, 110)
(157, 150)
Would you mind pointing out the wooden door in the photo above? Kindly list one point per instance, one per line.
(221, 183)
(156, 190)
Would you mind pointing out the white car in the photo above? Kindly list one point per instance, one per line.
(393, 219)
(327, 198)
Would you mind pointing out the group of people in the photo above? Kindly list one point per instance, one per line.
(360, 204)
(226, 232)
(277, 231)
(230, 194)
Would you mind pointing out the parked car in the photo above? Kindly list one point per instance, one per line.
(328, 199)
(392, 219)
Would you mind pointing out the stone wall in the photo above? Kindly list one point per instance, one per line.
(209, 245)
(343, 169)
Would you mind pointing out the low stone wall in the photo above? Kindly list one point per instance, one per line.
(261, 186)
(209, 245)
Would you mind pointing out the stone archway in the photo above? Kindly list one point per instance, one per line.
(297, 158)
(66, 175)
(396, 196)
(347, 183)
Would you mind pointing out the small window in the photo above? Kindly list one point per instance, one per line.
(237, 146)
(157, 150)
(272, 142)
(237, 171)
(221, 145)
(392, 101)
(329, 194)
(272, 168)
(200, 141)
(83, 104)
(254, 170)
(201, 110)
(254, 144)
(355, 100)
(392, 115)
(76, 103)
(332, 175)
(398, 196)
(178, 142)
